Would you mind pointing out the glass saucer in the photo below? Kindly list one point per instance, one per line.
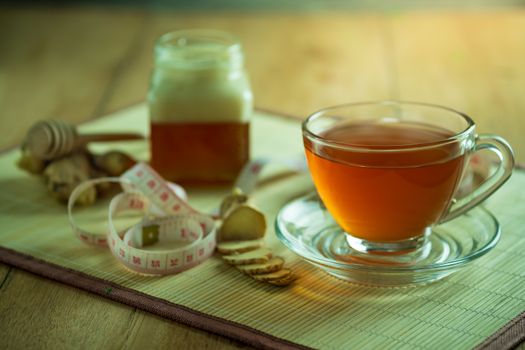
(307, 229)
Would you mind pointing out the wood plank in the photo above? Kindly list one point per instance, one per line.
(472, 62)
(172, 335)
(39, 313)
(59, 63)
(292, 71)
(4, 275)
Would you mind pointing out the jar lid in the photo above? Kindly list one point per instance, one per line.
(199, 48)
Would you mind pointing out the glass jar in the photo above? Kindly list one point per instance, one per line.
(200, 105)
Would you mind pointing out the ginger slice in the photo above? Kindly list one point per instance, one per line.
(242, 223)
(283, 281)
(277, 275)
(257, 256)
(272, 265)
(237, 247)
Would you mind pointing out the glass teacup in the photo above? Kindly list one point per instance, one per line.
(388, 171)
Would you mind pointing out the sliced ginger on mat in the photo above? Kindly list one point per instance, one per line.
(257, 256)
(241, 240)
(272, 265)
(259, 264)
(236, 247)
(283, 281)
(273, 276)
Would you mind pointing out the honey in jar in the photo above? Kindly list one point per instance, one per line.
(200, 106)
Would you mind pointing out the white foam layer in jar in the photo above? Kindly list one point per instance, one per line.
(201, 83)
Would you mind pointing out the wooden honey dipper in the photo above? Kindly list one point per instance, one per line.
(49, 139)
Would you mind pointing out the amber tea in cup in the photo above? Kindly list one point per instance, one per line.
(388, 171)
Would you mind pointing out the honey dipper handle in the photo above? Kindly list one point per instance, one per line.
(86, 138)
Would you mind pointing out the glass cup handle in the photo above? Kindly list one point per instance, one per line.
(502, 149)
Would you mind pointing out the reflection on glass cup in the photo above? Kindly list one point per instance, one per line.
(388, 171)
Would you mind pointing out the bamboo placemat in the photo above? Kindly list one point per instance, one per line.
(318, 311)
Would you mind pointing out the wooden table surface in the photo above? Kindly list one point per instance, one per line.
(82, 63)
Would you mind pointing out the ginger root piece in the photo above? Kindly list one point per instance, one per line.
(232, 200)
(272, 265)
(240, 240)
(236, 247)
(64, 174)
(113, 163)
(103, 188)
(257, 256)
(30, 163)
(242, 223)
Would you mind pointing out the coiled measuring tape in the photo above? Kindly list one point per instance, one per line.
(167, 218)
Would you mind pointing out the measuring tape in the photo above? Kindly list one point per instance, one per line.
(167, 218)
